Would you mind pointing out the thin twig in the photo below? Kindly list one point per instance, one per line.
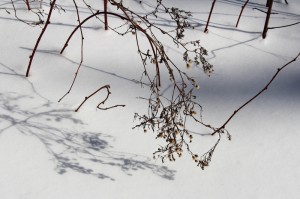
(107, 87)
(255, 96)
(81, 53)
(237, 23)
(85, 20)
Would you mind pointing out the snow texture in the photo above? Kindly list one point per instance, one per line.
(47, 151)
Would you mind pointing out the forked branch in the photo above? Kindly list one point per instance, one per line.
(107, 87)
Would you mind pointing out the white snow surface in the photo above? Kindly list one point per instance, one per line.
(48, 151)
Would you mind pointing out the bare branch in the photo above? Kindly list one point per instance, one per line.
(85, 20)
(255, 96)
(40, 37)
(208, 20)
(81, 53)
(107, 87)
(243, 7)
(28, 5)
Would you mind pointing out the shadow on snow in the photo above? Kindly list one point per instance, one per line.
(58, 129)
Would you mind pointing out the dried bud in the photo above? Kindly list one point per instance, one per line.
(188, 65)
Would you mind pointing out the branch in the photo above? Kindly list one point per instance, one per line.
(81, 53)
(85, 20)
(208, 20)
(105, 15)
(258, 94)
(28, 5)
(243, 7)
(107, 87)
(40, 37)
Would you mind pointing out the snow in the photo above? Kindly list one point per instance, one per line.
(49, 151)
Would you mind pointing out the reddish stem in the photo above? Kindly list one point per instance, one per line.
(269, 4)
(85, 20)
(40, 37)
(237, 23)
(107, 87)
(28, 5)
(211, 10)
(105, 15)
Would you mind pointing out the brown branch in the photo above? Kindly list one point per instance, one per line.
(269, 4)
(211, 10)
(79, 26)
(28, 5)
(156, 61)
(107, 87)
(237, 23)
(124, 18)
(108, 93)
(105, 15)
(254, 97)
(40, 37)
(85, 20)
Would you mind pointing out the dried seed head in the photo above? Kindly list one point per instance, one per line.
(188, 65)
(153, 61)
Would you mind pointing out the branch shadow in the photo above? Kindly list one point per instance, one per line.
(254, 5)
(246, 43)
(56, 53)
(56, 24)
(81, 151)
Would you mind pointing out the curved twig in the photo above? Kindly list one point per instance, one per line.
(85, 20)
(107, 87)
